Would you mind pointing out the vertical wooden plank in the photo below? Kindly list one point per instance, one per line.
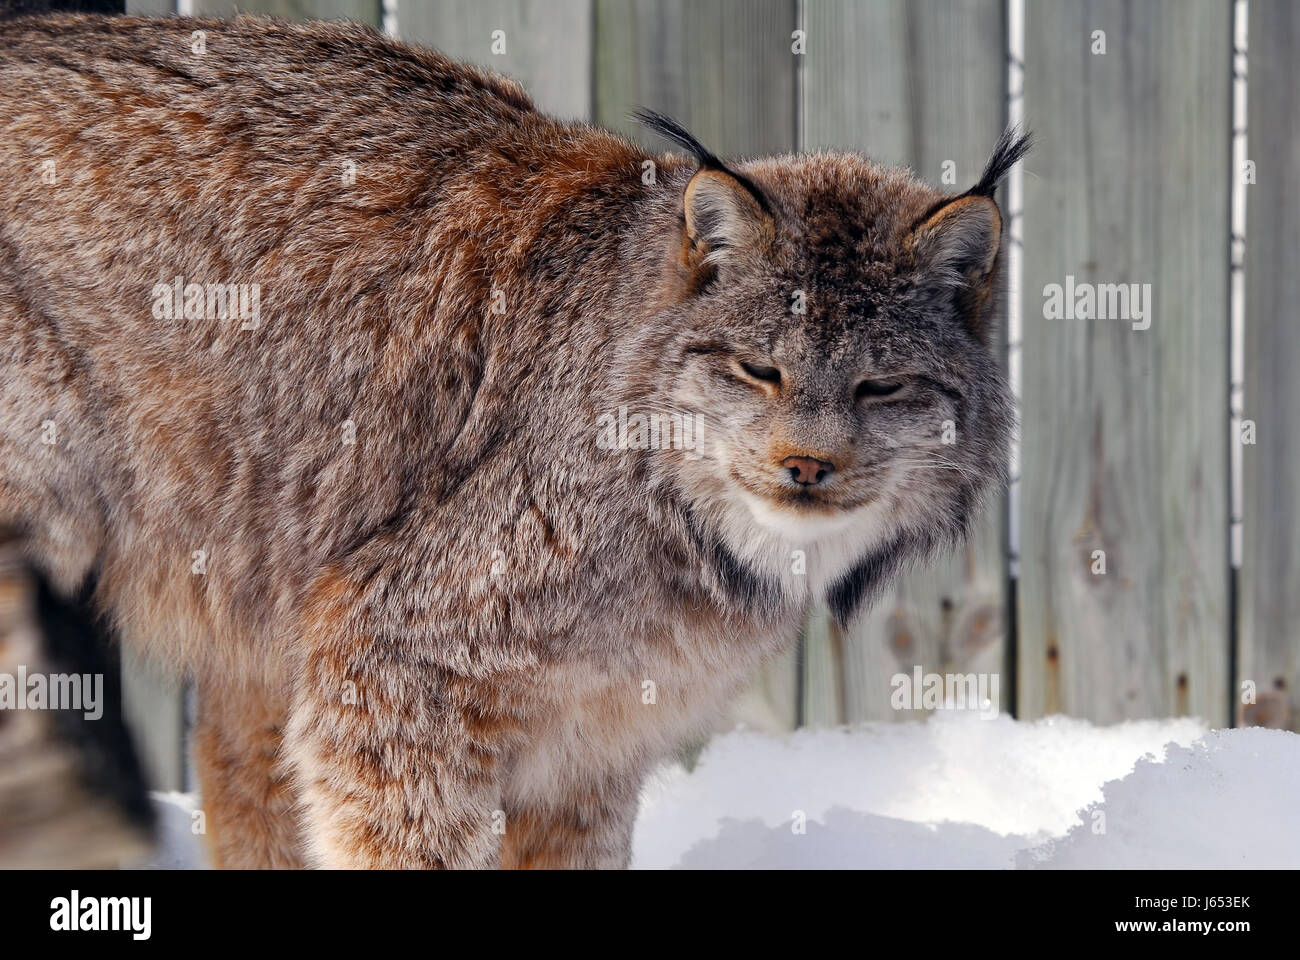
(363, 11)
(150, 8)
(545, 46)
(1124, 430)
(724, 68)
(1270, 573)
(153, 709)
(825, 676)
(917, 84)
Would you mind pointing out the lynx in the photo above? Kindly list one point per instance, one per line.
(431, 620)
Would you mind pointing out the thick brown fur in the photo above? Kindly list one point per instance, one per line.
(432, 621)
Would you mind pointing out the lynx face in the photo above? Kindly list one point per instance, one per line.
(811, 417)
(837, 348)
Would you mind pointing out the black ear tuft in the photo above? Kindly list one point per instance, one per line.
(670, 129)
(1009, 150)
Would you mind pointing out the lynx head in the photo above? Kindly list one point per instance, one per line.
(833, 329)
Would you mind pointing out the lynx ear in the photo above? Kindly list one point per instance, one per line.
(958, 244)
(725, 219)
(726, 214)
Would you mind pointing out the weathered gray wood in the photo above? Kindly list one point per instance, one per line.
(151, 8)
(722, 67)
(1270, 574)
(153, 708)
(547, 45)
(771, 701)
(910, 82)
(825, 676)
(1124, 431)
(917, 84)
(363, 11)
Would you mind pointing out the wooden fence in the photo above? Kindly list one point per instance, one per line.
(1127, 448)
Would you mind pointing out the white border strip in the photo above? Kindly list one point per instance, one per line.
(1015, 268)
(1237, 276)
(800, 81)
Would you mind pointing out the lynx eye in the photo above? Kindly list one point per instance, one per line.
(880, 389)
(765, 374)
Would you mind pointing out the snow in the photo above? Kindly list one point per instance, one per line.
(955, 791)
(959, 791)
(179, 848)
(1227, 801)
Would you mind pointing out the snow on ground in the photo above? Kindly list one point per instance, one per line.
(179, 848)
(955, 791)
(960, 791)
(1230, 800)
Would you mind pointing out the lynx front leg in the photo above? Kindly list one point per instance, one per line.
(392, 771)
(250, 804)
(588, 826)
(395, 756)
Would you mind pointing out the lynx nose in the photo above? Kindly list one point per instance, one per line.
(808, 470)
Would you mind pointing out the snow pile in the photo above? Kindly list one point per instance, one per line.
(1230, 800)
(961, 791)
(957, 791)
